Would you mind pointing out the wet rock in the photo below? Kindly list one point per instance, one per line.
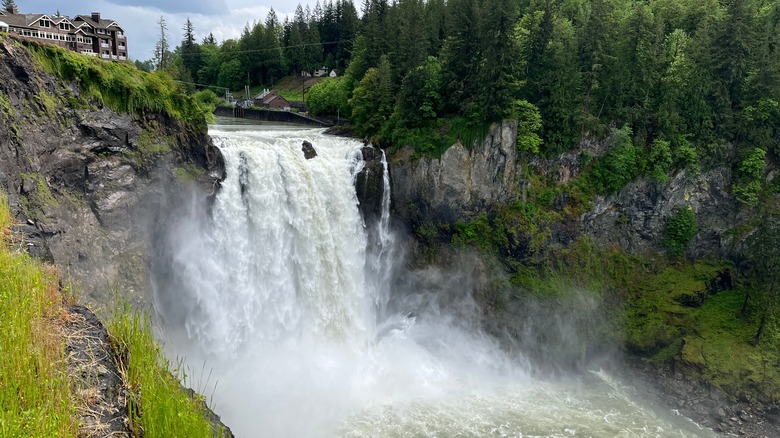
(308, 150)
(369, 184)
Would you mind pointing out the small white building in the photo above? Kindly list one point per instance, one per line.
(333, 73)
(321, 72)
(4, 26)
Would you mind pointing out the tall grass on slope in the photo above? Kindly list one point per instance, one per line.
(35, 395)
(120, 86)
(159, 406)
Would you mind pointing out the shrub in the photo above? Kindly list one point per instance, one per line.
(750, 175)
(679, 231)
(329, 96)
(660, 160)
(620, 166)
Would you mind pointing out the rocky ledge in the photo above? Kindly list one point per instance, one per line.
(90, 182)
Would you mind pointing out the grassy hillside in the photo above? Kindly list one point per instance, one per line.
(119, 86)
(36, 391)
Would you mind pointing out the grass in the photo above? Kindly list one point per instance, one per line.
(721, 343)
(656, 319)
(35, 394)
(119, 86)
(158, 405)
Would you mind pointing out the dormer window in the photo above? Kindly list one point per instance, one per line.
(45, 23)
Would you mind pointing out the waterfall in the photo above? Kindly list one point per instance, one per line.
(284, 293)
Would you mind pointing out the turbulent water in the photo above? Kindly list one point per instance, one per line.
(279, 300)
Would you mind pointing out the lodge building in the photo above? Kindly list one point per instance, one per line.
(85, 34)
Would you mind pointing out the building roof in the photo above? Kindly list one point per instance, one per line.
(103, 23)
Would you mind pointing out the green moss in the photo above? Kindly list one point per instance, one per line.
(5, 105)
(189, 173)
(47, 102)
(40, 199)
(731, 361)
(150, 144)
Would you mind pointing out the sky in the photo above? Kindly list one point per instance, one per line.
(224, 18)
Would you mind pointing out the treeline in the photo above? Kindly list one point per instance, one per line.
(266, 51)
(686, 79)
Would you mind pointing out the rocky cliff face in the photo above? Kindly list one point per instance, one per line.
(91, 183)
(465, 181)
(635, 218)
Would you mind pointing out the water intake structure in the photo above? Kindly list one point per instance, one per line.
(302, 321)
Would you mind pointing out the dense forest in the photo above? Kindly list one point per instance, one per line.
(685, 77)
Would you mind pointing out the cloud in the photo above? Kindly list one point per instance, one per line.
(205, 7)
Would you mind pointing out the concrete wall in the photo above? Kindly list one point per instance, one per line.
(268, 115)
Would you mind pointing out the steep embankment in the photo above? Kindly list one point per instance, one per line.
(93, 155)
(662, 270)
(90, 155)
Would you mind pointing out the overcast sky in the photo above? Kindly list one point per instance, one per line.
(225, 18)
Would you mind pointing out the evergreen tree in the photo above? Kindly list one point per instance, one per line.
(9, 4)
(497, 71)
(595, 37)
(461, 56)
(295, 51)
(560, 89)
(372, 101)
(640, 69)
(419, 98)
(273, 63)
(410, 48)
(313, 51)
(161, 49)
(733, 47)
(190, 51)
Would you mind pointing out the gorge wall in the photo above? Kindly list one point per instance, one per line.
(88, 182)
(467, 181)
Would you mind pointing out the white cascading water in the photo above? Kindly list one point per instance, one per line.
(283, 293)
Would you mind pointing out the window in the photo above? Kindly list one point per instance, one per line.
(45, 23)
